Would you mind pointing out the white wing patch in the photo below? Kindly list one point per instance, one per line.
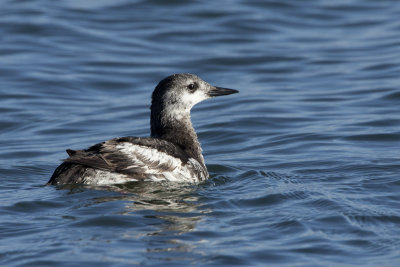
(160, 166)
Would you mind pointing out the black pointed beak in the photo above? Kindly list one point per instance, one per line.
(217, 91)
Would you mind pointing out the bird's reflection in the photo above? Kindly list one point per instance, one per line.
(172, 210)
(157, 196)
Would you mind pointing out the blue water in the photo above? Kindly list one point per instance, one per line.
(304, 162)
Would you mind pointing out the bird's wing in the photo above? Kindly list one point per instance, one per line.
(133, 156)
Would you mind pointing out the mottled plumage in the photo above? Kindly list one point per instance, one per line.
(172, 153)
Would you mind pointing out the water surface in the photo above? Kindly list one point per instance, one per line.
(304, 162)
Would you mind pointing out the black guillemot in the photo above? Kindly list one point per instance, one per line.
(172, 153)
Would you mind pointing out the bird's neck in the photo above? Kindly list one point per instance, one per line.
(176, 127)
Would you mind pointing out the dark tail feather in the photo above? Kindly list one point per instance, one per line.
(67, 173)
(71, 152)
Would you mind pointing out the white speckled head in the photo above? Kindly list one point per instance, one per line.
(174, 97)
(183, 91)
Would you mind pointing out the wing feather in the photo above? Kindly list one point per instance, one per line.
(132, 156)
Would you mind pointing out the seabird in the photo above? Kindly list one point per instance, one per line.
(172, 153)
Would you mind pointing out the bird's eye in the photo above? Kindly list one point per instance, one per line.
(192, 87)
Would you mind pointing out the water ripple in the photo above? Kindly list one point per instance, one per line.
(304, 161)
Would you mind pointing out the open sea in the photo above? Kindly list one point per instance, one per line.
(304, 162)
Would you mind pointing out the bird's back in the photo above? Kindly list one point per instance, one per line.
(125, 159)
